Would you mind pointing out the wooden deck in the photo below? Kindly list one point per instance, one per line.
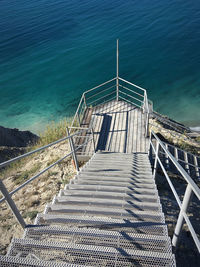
(118, 127)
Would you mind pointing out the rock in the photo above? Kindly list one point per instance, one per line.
(15, 138)
(7, 153)
(14, 142)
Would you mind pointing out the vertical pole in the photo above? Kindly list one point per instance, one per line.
(79, 122)
(84, 99)
(144, 103)
(196, 167)
(187, 168)
(72, 149)
(176, 153)
(147, 125)
(11, 204)
(156, 160)
(150, 148)
(93, 139)
(184, 206)
(117, 70)
(167, 157)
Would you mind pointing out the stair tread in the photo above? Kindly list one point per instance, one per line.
(107, 202)
(106, 195)
(32, 262)
(141, 215)
(107, 188)
(75, 253)
(103, 223)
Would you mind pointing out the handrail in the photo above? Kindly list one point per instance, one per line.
(189, 180)
(183, 161)
(131, 96)
(92, 89)
(131, 90)
(132, 99)
(5, 163)
(102, 97)
(79, 105)
(191, 188)
(7, 195)
(132, 84)
(100, 92)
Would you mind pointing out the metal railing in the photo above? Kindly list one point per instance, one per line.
(114, 89)
(191, 188)
(7, 196)
(189, 161)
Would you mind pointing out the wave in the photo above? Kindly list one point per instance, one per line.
(196, 129)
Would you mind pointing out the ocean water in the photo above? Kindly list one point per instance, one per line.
(53, 50)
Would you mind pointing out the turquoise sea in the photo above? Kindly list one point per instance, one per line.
(53, 50)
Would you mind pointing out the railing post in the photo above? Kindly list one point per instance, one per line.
(84, 99)
(93, 139)
(12, 205)
(196, 167)
(187, 168)
(156, 160)
(167, 157)
(147, 125)
(150, 148)
(79, 122)
(184, 206)
(72, 149)
(144, 103)
(117, 72)
(117, 89)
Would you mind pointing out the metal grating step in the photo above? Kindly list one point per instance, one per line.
(100, 238)
(117, 167)
(117, 172)
(112, 203)
(107, 188)
(31, 261)
(104, 223)
(113, 183)
(118, 213)
(106, 195)
(88, 255)
(117, 179)
(122, 163)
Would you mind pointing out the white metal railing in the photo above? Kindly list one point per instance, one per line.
(188, 161)
(114, 89)
(7, 196)
(191, 188)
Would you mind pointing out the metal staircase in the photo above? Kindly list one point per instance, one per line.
(109, 215)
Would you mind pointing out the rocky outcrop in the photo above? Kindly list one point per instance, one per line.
(15, 138)
(14, 142)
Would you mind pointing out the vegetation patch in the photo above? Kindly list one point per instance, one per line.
(22, 177)
(30, 214)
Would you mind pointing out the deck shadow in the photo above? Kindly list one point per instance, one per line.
(104, 132)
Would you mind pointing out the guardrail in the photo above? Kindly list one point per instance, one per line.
(191, 188)
(7, 196)
(189, 161)
(114, 89)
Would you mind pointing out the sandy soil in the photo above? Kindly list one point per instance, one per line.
(32, 198)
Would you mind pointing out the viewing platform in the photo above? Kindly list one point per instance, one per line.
(118, 127)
